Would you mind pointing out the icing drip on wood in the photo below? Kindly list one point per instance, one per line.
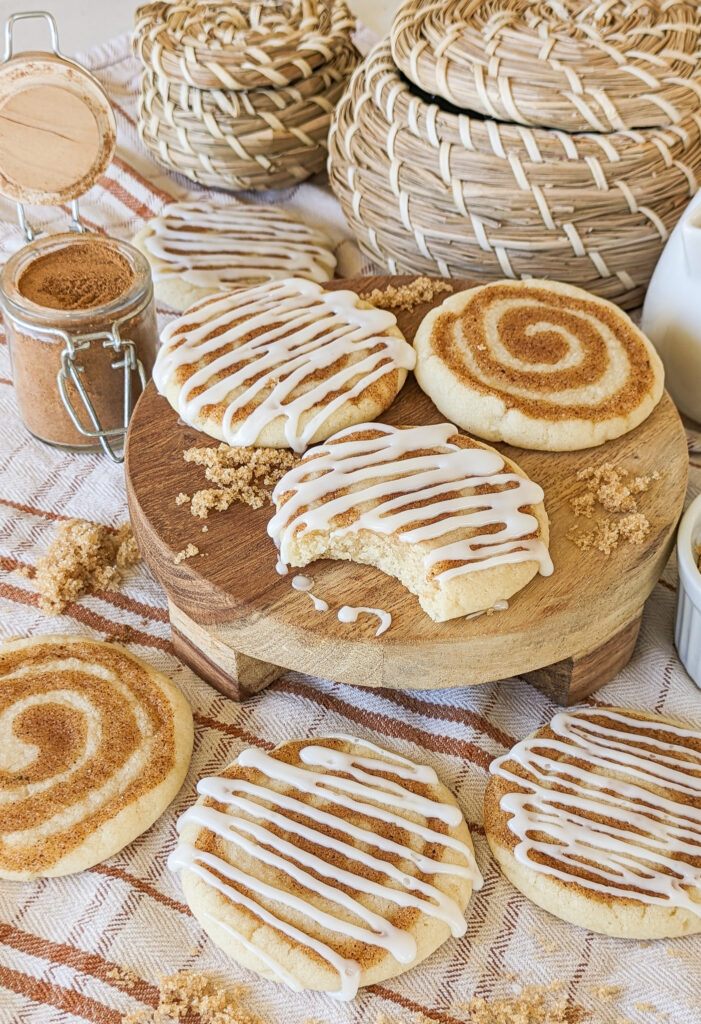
(223, 245)
(498, 606)
(304, 584)
(309, 345)
(383, 479)
(349, 614)
(332, 779)
(638, 851)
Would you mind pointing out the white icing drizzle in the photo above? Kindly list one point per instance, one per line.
(621, 859)
(304, 584)
(281, 568)
(302, 330)
(498, 606)
(223, 245)
(253, 811)
(367, 475)
(350, 614)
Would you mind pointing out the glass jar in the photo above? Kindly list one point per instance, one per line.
(78, 371)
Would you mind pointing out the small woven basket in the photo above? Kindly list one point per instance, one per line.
(240, 95)
(578, 65)
(429, 189)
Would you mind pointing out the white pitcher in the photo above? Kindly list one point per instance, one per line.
(672, 311)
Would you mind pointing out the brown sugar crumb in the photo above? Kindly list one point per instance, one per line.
(608, 533)
(187, 552)
(615, 490)
(190, 995)
(535, 1004)
(612, 487)
(546, 944)
(607, 993)
(123, 976)
(241, 474)
(82, 556)
(406, 296)
(182, 498)
(584, 505)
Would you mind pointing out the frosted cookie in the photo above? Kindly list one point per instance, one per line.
(326, 864)
(537, 364)
(458, 524)
(597, 818)
(94, 745)
(197, 247)
(281, 365)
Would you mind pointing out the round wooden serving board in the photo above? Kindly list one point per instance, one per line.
(239, 623)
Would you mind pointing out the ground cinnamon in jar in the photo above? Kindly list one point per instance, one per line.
(77, 276)
(55, 292)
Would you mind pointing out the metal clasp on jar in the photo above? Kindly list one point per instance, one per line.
(71, 371)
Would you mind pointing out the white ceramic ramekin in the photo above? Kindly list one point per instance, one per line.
(687, 633)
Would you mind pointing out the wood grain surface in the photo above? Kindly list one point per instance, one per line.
(57, 129)
(231, 589)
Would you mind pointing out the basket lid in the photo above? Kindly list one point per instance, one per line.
(576, 65)
(57, 128)
(243, 44)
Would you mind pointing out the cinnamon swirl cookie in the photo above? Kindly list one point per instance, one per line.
(326, 864)
(537, 364)
(281, 365)
(597, 818)
(458, 524)
(94, 745)
(197, 247)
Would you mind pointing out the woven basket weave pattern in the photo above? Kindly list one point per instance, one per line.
(241, 95)
(569, 64)
(431, 191)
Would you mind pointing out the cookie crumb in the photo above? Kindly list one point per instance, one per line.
(187, 994)
(242, 474)
(406, 296)
(187, 552)
(83, 556)
(182, 498)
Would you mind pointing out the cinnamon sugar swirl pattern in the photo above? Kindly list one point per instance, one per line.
(94, 744)
(537, 364)
(327, 864)
(458, 524)
(196, 248)
(281, 365)
(597, 818)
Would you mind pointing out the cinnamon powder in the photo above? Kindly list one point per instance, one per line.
(76, 277)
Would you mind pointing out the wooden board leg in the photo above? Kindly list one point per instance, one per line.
(234, 674)
(573, 679)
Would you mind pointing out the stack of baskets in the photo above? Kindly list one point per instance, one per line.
(240, 95)
(524, 138)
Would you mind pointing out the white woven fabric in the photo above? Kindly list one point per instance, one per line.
(60, 939)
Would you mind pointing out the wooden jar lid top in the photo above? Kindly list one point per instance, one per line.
(57, 129)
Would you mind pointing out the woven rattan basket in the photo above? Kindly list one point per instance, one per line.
(572, 64)
(427, 188)
(240, 95)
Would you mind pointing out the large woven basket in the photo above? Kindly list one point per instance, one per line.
(240, 95)
(427, 188)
